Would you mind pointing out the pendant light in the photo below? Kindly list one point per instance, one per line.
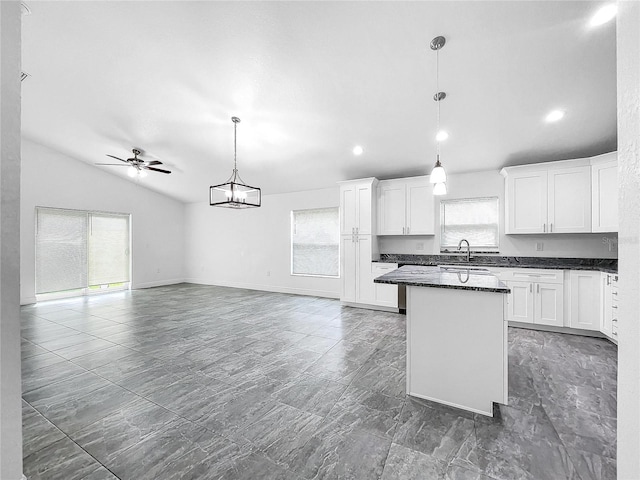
(438, 175)
(234, 193)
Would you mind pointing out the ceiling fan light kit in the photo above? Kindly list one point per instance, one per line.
(137, 166)
(234, 193)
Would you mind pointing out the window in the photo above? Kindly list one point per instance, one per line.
(474, 219)
(315, 242)
(78, 251)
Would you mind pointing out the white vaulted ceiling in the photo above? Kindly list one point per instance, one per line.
(310, 80)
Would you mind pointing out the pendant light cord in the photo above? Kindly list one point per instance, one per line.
(235, 150)
(438, 101)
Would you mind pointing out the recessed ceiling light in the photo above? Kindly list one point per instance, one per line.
(358, 150)
(603, 15)
(554, 116)
(441, 136)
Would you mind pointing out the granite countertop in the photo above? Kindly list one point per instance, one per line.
(439, 277)
(608, 265)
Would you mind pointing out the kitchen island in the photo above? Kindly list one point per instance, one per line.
(456, 335)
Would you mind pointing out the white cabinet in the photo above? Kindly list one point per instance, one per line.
(609, 305)
(537, 296)
(604, 193)
(357, 206)
(569, 200)
(584, 303)
(355, 265)
(526, 202)
(548, 200)
(405, 207)
(606, 312)
(386, 295)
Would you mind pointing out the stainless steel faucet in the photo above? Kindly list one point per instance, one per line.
(468, 248)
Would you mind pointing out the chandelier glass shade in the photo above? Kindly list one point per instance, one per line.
(234, 193)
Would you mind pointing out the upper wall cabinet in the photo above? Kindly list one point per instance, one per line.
(552, 197)
(357, 206)
(604, 193)
(405, 207)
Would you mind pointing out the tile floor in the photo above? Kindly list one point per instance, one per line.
(200, 382)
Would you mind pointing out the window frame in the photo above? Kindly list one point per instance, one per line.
(292, 232)
(478, 248)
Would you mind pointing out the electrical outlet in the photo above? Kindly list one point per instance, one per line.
(539, 246)
(420, 246)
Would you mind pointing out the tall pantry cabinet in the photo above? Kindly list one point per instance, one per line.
(357, 242)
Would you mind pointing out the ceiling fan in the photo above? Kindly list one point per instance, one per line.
(137, 166)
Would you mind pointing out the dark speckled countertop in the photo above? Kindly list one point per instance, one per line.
(441, 277)
(609, 265)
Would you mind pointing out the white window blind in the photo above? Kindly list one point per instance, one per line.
(108, 249)
(61, 250)
(474, 219)
(315, 242)
(77, 249)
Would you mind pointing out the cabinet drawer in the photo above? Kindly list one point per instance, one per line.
(378, 268)
(532, 275)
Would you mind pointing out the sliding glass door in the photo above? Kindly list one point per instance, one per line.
(79, 252)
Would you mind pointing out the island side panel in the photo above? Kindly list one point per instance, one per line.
(456, 343)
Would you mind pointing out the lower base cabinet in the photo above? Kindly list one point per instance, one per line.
(537, 296)
(585, 300)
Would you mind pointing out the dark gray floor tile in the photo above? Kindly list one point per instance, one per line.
(406, 464)
(92, 346)
(61, 460)
(101, 474)
(45, 359)
(97, 359)
(71, 415)
(37, 431)
(433, 429)
(281, 431)
(46, 376)
(72, 387)
(371, 411)
(311, 394)
(339, 451)
(113, 434)
(590, 466)
(381, 378)
(316, 344)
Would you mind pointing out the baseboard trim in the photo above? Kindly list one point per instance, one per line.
(267, 288)
(158, 283)
(371, 307)
(551, 328)
(27, 301)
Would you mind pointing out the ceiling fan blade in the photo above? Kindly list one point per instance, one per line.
(154, 162)
(125, 161)
(112, 164)
(156, 169)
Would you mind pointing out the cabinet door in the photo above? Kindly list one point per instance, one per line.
(366, 292)
(606, 312)
(604, 197)
(520, 302)
(363, 216)
(391, 208)
(584, 306)
(348, 261)
(386, 294)
(570, 200)
(548, 308)
(527, 202)
(420, 218)
(348, 209)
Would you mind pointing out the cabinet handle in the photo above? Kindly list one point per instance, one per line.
(408, 230)
(615, 334)
(614, 320)
(551, 228)
(615, 294)
(403, 229)
(537, 288)
(544, 228)
(531, 288)
(614, 306)
(608, 280)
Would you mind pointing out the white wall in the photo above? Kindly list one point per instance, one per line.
(10, 386)
(51, 179)
(252, 248)
(628, 61)
(491, 184)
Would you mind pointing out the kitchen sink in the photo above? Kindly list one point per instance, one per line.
(464, 269)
